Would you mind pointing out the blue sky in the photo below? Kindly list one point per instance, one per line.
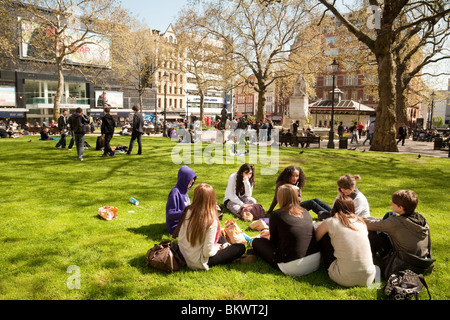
(157, 14)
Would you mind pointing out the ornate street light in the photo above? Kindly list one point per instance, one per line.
(334, 67)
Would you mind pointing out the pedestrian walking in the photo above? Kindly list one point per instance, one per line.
(62, 126)
(107, 131)
(370, 132)
(77, 122)
(138, 130)
(402, 134)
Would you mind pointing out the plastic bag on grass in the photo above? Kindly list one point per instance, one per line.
(233, 233)
(107, 212)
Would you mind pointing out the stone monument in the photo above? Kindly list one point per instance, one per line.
(298, 104)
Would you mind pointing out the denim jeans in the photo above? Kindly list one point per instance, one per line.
(79, 141)
(134, 136)
(315, 205)
(62, 142)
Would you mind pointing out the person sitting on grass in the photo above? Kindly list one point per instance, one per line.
(346, 186)
(290, 244)
(178, 198)
(292, 175)
(345, 247)
(199, 235)
(45, 135)
(239, 189)
(402, 237)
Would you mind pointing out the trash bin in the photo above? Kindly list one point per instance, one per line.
(438, 142)
(343, 143)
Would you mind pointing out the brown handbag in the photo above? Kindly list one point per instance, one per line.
(165, 256)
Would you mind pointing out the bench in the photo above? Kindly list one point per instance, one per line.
(33, 130)
(295, 141)
(308, 140)
(149, 131)
(286, 140)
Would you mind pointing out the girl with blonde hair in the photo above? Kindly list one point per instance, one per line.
(199, 236)
(289, 245)
(345, 246)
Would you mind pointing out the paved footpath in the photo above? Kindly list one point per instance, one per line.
(415, 147)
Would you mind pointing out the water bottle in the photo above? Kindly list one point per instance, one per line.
(134, 201)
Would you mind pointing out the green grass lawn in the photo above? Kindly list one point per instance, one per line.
(49, 221)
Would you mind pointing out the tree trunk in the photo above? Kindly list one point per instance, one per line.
(261, 113)
(400, 99)
(401, 108)
(59, 92)
(384, 136)
(140, 100)
(202, 111)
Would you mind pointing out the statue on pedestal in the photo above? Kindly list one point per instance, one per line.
(300, 87)
(298, 102)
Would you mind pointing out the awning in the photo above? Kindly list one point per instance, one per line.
(12, 112)
(113, 112)
(172, 116)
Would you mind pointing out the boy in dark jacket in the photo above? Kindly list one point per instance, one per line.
(77, 121)
(107, 131)
(178, 198)
(402, 235)
(62, 126)
(138, 130)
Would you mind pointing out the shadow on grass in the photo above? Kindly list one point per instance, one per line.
(153, 231)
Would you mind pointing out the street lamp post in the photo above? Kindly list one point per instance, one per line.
(334, 67)
(165, 76)
(433, 95)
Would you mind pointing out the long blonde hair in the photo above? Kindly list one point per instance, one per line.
(203, 213)
(287, 197)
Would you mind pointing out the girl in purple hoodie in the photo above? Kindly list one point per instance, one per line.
(178, 198)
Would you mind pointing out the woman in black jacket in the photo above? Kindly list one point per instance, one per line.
(290, 244)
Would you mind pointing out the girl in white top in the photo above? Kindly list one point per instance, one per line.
(199, 237)
(345, 246)
(240, 188)
(346, 186)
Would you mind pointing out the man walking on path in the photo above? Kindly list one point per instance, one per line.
(402, 134)
(62, 126)
(77, 122)
(107, 130)
(370, 133)
(138, 130)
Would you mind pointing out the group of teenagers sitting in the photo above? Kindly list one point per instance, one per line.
(346, 237)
